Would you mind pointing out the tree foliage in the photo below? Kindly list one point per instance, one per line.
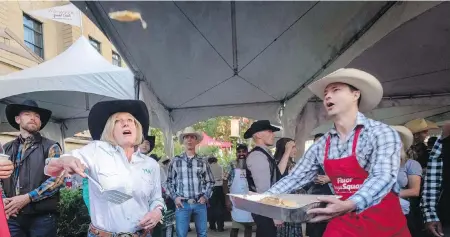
(218, 128)
(73, 218)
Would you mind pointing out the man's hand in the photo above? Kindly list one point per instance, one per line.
(179, 202)
(6, 169)
(278, 223)
(228, 204)
(335, 207)
(202, 200)
(434, 228)
(151, 219)
(322, 179)
(5, 202)
(15, 204)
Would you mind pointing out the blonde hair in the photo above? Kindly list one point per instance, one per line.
(108, 131)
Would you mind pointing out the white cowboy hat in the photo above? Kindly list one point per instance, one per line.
(370, 87)
(190, 131)
(405, 134)
(420, 125)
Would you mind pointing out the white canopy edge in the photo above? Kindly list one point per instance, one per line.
(78, 69)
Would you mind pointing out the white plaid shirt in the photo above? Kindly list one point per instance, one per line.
(378, 151)
(189, 178)
(432, 183)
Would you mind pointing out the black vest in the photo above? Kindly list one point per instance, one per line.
(31, 174)
(275, 174)
(443, 208)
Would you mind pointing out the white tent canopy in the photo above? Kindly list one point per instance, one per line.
(205, 59)
(68, 85)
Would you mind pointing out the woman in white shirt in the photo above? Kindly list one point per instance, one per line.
(113, 159)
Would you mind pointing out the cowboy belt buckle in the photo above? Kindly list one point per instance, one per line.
(122, 234)
(191, 201)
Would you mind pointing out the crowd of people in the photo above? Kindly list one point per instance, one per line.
(389, 182)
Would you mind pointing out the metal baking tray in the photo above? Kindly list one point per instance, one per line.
(296, 214)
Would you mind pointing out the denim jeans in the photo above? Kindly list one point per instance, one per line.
(33, 226)
(183, 217)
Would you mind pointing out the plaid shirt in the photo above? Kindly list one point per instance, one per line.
(189, 178)
(49, 187)
(378, 152)
(228, 174)
(432, 183)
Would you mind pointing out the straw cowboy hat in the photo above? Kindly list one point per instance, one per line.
(100, 113)
(370, 87)
(420, 125)
(190, 131)
(405, 134)
(13, 110)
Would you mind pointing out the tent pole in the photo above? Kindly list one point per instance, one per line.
(63, 136)
(137, 83)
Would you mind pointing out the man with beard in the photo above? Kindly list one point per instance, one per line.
(262, 171)
(31, 197)
(235, 182)
(361, 157)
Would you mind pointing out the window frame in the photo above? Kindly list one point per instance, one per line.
(119, 59)
(34, 31)
(92, 39)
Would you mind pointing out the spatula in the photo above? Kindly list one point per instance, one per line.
(113, 196)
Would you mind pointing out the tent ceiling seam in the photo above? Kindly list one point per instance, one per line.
(439, 114)
(234, 37)
(279, 36)
(257, 87)
(203, 92)
(416, 75)
(415, 112)
(345, 47)
(204, 37)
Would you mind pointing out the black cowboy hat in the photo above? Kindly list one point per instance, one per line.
(13, 110)
(151, 140)
(258, 126)
(100, 113)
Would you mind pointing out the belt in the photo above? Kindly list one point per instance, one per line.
(101, 233)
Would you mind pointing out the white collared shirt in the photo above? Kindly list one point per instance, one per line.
(139, 178)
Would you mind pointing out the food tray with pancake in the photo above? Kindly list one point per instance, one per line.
(285, 207)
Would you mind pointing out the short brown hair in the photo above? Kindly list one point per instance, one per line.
(352, 88)
(108, 136)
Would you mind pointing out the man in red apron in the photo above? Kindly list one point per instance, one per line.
(359, 155)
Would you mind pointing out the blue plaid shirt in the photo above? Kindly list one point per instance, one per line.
(378, 152)
(432, 183)
(189, 178)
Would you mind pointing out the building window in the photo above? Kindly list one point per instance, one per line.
(116, 60)
(95, 44)
(33, 35)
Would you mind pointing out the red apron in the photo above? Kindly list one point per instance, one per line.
(382, 220)
(4, 229)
